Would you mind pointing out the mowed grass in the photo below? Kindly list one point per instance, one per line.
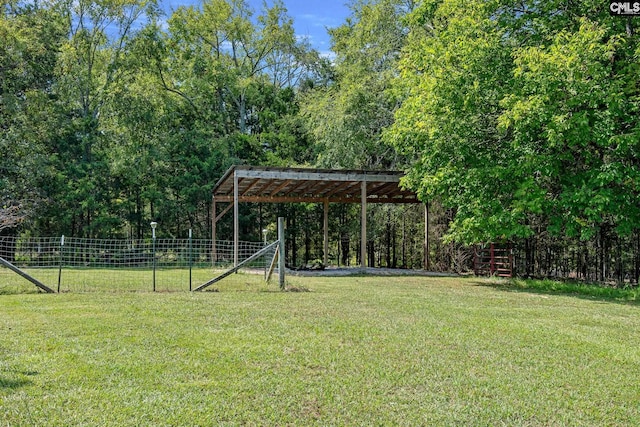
(350, 351)
(113, 280)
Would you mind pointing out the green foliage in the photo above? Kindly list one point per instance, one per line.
(126, 122)
(347, 117)
(29, 38)
(519, 114)
(517, 117)
(569, 97)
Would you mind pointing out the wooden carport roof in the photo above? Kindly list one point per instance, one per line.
(243, 183)
(283, 185)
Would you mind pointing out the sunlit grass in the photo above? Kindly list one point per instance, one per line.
(118, 280)
(351, 351)
(592, 290)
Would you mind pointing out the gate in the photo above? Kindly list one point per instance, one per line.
(494, 260)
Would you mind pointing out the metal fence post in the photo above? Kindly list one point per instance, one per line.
(190, 258)
(153, 251)
(60, 264)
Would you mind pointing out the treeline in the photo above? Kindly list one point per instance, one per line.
(523, 117)
(113, 115)
(516, 120)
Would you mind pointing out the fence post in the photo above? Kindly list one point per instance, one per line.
(190, 257)
(60, 263)
(153, 251)
(281, 259)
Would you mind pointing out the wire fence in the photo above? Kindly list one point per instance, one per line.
(79, 264)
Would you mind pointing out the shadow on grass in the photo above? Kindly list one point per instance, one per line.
(15, 383)
(570, 288)
(17, 290)
(12, 384)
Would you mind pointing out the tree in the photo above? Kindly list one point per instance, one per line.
(347, 116)
(93, 62)
(220, 50)
(30, 37)
(519, 116)
(229, 97)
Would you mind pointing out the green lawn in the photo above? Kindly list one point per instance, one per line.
(111, 280)
(351, 351)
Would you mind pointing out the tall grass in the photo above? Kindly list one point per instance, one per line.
(351, 351)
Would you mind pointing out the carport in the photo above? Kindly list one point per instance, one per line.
(243, 183)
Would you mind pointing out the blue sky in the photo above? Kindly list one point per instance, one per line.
(311, 17)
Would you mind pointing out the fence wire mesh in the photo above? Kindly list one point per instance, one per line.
(80, 264)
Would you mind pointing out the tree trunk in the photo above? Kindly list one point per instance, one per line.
(404, 242)
(307, 242)
(637, 258)
(294, 245)
(243, 113)
(388, 230)
(394, 260)
(372, 253)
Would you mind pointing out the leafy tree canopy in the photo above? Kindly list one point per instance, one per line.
(522, 113)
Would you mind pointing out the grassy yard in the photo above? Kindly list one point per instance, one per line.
(107, 280)
(350, 351)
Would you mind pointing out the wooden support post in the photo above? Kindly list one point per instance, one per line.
(26, 276)
(236, 221)
(272, 266)
(325, 258)
(258, 254)
(214, 220)
(427, 265)
(281, 257)
(363, 224)
(224, 211)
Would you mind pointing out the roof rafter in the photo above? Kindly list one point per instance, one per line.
(283, 185)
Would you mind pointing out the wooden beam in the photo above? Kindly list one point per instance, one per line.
(223, 179)
(305, 187)
(310, 199)
(392, 187)
(281, 249)
(214, 220)
(264, 188)
(297, 186)
(320, 191)
(348, 187)
(340, 187)
(280, 187)
(316, 176)
(26, 276)
(313, 185)
(253, 184)
(374, 187)
(325, 228)
(363, 224)
(225, 210)
(236, 221)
